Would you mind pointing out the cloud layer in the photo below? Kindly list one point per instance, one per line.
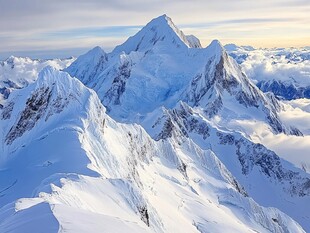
(286, 65)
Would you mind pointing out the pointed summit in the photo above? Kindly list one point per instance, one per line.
(215, 48)
(88, 65)
(216, 45)
(48, 96)
(160, 32)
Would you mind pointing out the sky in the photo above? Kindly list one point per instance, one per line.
(49, 29)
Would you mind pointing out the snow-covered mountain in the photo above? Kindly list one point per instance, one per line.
(135, 81)
(285, 72)
(154, 71)
(182, 160)
(115, 176)
(159, 35)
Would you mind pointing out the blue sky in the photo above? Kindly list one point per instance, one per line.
(46, 29)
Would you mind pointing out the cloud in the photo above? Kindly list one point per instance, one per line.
(239, 21)
(112, 31)
(294, 149)
(223, 19)
(291, 148)
(290, 65)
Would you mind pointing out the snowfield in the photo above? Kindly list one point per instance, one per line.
(160, 135)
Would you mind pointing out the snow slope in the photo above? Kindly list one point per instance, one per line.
(112, 176)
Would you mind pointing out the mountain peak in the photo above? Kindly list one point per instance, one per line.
(46, 71)
(160, 32)
(164, 21)
(96, 51)
(93, 62)
(216, 45)
(163, 18)
(214, 50)
(56, 80)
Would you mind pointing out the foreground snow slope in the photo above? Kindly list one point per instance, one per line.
(67, 165)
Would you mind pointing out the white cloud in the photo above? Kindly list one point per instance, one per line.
(292, 148)
(295, 149)
(263, 64)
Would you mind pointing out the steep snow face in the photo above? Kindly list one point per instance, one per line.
(152, 79)
(49, 96)
(39, 115)
(194, 42)
(18, 72)
(112, 176)
(159, 34)
(222, 89)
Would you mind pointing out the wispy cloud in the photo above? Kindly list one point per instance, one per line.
(25, 24)
(112, 31)
(239, 21)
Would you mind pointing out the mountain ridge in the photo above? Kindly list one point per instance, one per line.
(63, 180)
(129, 76)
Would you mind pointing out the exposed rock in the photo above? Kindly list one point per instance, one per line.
(35, 108)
